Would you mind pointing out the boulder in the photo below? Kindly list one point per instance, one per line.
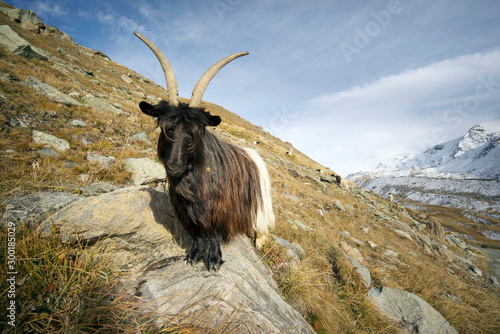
(352, 252)
(36, 207)
(361, 270)
(78, 123)
(293, 250)
(137, 228)
(14, 43)
(57, 144)
(49, 91)
(145, 170)
(126, 79)
(98, 188)
(104, 160)
(141, 137)
(101, 104)
(48, 152)
(27, 18)
(413, 313)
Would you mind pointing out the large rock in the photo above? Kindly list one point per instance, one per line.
(101, 104)
(46, 139)
(35, 208)
(138, 229)
(145, 170)
(49, 91)
(413, 313)
(103, 160)
(14, 43)
(25, 17)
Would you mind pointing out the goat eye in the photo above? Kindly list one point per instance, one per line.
(169, 133)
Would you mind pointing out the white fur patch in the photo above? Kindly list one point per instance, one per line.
(264, 221)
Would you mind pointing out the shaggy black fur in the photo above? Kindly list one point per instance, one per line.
(213, 185)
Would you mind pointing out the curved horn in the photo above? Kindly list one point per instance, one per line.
(202, 84)
(172, 90)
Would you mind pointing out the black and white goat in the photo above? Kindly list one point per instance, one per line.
(218, 189)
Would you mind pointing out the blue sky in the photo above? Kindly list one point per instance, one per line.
(349, 83)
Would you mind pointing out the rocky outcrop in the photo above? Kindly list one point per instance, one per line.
(101, 104)
(49, 91)
(48, 140)
(145, 170)
(14, 43)
(34, 208)
(137, 228)
(410, 311)
(27, 18)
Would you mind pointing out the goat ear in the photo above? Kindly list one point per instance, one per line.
(148, 109)
(213, 120)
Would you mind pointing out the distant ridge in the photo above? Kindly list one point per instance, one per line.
(462, 173)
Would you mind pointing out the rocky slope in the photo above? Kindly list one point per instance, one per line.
(76, 154)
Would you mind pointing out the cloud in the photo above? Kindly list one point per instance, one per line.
(398, 114)
(431, 85)
(49, 8)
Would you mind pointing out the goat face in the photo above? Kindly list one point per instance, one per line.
(180, 146)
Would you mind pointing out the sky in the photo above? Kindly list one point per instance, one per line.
(349, 83)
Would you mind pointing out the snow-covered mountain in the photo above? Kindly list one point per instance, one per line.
(464, 172)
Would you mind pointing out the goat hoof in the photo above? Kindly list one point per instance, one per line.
(197, 252)
(213, 258)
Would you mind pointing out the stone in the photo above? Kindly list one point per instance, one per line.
(8, 77)
(293, 249)
(361, 270)
(391, 254)
(141, 137)
(137, 228)
(328, 178)
(475, 271)
(78, 123)
(145, 170)
(403, 234)
(455, 240)
(101, 104)
(36, 207)
(98, 188)
(104, 160)
(291, 197)
(126, 79)
(51, 93)
(51, 141)
(352, 252)
(48, 152)
(25, 17)
(411, 312)
(297, 224)
(14, 43)
(338, 206)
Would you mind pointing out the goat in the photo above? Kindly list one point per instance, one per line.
(218, 189)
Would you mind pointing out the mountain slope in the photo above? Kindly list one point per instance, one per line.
(318, 222)
(460, 173)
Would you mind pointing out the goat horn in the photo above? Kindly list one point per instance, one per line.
(202, 84)
(172, 90)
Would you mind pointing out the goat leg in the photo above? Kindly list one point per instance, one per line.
(213, 258)
(198, 250)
